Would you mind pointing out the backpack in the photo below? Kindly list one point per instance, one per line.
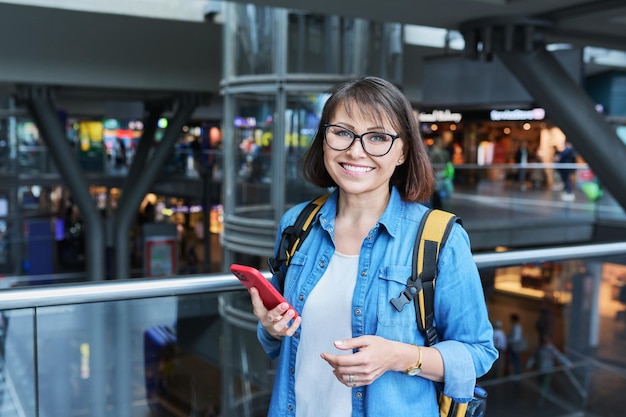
(431, 236)
(292, 238)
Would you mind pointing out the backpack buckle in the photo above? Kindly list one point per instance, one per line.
(413, 288)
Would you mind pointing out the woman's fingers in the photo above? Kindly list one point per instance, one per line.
(275, 321)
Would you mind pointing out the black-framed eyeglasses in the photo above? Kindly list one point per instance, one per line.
(340, 138)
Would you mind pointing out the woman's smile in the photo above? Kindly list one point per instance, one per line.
(357, 169)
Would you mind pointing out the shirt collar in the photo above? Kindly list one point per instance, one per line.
(393, 213)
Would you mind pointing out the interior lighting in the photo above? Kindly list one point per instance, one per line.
(507, 130)
(434, 127)
(453, 127)
(215, 136)
(526, 126)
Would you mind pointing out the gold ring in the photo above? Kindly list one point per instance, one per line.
(351, 379)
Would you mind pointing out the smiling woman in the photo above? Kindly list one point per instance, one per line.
(349, 345)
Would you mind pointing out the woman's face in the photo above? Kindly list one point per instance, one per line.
(353, 169)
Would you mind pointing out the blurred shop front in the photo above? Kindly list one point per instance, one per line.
(482, 109)
(37, 209)
(492, 138)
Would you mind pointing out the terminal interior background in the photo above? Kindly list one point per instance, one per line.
(157, 122)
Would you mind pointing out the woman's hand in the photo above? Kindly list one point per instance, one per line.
(275, 321)
(373, 357)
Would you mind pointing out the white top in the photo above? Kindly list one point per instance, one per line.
(326, 317)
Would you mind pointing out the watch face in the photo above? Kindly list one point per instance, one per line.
(414, 371)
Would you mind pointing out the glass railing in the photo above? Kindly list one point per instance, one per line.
(186, 346)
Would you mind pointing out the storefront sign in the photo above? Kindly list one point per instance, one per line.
(440, 116)
(517, 114)
(245, 122)
(161, 242)
(160, 257)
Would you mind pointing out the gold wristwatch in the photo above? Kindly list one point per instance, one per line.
(417, 368)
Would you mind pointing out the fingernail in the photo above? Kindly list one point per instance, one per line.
(338, 342)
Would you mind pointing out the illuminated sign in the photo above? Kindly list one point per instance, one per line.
(245, 122)
(517, 114)
(440, 116)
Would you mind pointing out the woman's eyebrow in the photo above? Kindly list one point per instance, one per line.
(376, 128)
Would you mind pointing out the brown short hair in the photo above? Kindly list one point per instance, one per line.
(379, 100)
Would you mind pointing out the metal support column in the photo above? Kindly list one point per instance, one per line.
(137, 188)
(53, 133)
(136, 168)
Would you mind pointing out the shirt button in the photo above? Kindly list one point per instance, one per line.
(301, 297)
(357, 311)
(322, 264)
(296, 335)
(363, 273)
(290, 407)
(369, 237)
(292, 371)
(359, 395)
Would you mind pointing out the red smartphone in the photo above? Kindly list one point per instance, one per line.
(252, 277)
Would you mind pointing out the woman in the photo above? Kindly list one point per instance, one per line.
(349, 351)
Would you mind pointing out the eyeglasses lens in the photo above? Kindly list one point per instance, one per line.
(374, 143)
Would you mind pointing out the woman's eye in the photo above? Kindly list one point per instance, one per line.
(379, 138)
(344, 133)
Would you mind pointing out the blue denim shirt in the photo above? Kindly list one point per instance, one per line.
(466, 335)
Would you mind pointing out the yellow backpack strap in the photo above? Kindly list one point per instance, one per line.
(302, 224)
(292, 238)
(450, 408)
(431, 236)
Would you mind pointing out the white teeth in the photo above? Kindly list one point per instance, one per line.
(357, 169)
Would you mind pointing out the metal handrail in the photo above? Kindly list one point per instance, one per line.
(92, 292)
(519, 257)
